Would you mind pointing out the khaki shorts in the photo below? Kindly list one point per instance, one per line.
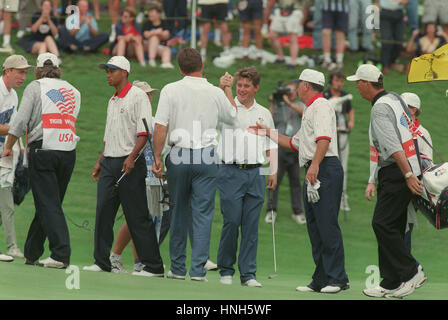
(9, 5)
(287, 24)
(435, 10)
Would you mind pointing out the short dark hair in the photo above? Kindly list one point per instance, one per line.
(249, 73)
(156, 7)
(189, 60)
(316, 87)
(378, 85)
(336, 74)
(131, 11)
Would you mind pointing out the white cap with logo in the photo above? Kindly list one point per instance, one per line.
(144, 86)
(117, 62)
(366, 72)
(16, 62)
(312, 76)
(411, 99)
(44, 57)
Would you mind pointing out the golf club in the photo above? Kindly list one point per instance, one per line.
(274, 275)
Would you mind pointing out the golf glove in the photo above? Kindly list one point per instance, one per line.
(312, 191)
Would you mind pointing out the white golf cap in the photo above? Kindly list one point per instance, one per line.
(117, 62)
(411, 99)
(144, 86)
(43, 57)
(312, 76)
(366, 72)
(16, 62)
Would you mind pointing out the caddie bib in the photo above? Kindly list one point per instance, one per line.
(61, 103)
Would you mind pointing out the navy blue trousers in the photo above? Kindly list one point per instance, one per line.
(323, 226)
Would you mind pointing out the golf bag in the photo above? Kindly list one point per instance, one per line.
(433, 203)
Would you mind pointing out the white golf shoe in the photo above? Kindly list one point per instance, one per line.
(226, 280)
(252, 283)
(171, 275)
(148, 274)
(15, 253)
(6, 258)
(377, 292)
(271, 215)
(93, 268)
(420, 277)
(210, 266)
(51, 263)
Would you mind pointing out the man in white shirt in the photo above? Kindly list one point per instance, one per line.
(241, 181)
(316, 143)
(188, 114)
(14, 72)
(124, 138)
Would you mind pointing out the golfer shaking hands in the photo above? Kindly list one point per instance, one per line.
(316, 143)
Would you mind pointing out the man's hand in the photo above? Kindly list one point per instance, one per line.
(259, 129)
(272, 181)
(96, 172)
(226, 81)
(286, 99)
(370, 191)
(415, 185)
(157, 167)
(311, 174)
(6, 152)
(351, 125)
(128, 164)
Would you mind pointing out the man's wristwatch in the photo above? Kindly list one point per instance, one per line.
(408, 175)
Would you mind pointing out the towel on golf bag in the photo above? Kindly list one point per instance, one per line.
(433, 202)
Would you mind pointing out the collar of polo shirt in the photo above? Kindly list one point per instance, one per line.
(123, 92)
(317, 96)
(239, 104)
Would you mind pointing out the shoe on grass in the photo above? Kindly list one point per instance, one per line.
(148, 274)
(171, 275)
(210, 266)
(252, 283)
(93, 268)
(15, 253)
(378, 292)
(299, 218)
(226, 280)
(6, 258)
(51, 263)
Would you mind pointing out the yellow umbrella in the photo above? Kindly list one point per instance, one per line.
(430, 67)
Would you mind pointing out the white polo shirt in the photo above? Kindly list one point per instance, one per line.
(192, 108)
(318, 122)
(124, 121)
(237, 144)
(8, 105)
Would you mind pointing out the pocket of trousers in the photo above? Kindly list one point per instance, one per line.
(43, 159)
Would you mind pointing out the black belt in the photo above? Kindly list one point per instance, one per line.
(244, 166)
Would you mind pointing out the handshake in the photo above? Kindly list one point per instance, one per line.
(337, 103)
(226, 81)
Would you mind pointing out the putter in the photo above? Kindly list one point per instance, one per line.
(274, 275)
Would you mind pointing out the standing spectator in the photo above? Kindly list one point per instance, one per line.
(129, 37)
(434, 10)
(14, 72)
(26, 9)
(316, 144)
(412, 14)
(156, 33)
(188, 114)
(392, 151)
(240, 184)
(113, 7)
(44, 31)
(123, 141)
(357, 17)
(8, 7)
(86, 38)
(287, 114)
(289, 17)
(251, 15)
(173, 9)
(45, 102)
(317, 24)
(214, 9)
(392, 32)
(334, 18)
(345, 122)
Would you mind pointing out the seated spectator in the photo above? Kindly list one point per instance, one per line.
(428, 42)
(44, 30)
(86, 38)
(129, 40)
(156, 33)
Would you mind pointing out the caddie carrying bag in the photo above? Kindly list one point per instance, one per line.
(433, 202)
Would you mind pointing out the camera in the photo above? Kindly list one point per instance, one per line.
(280, 91)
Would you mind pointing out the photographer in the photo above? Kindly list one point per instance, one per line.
(345, 122)
(287, 119)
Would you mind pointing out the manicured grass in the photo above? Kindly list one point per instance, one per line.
(295, 264)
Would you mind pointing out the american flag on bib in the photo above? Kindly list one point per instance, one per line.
(64, 99)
